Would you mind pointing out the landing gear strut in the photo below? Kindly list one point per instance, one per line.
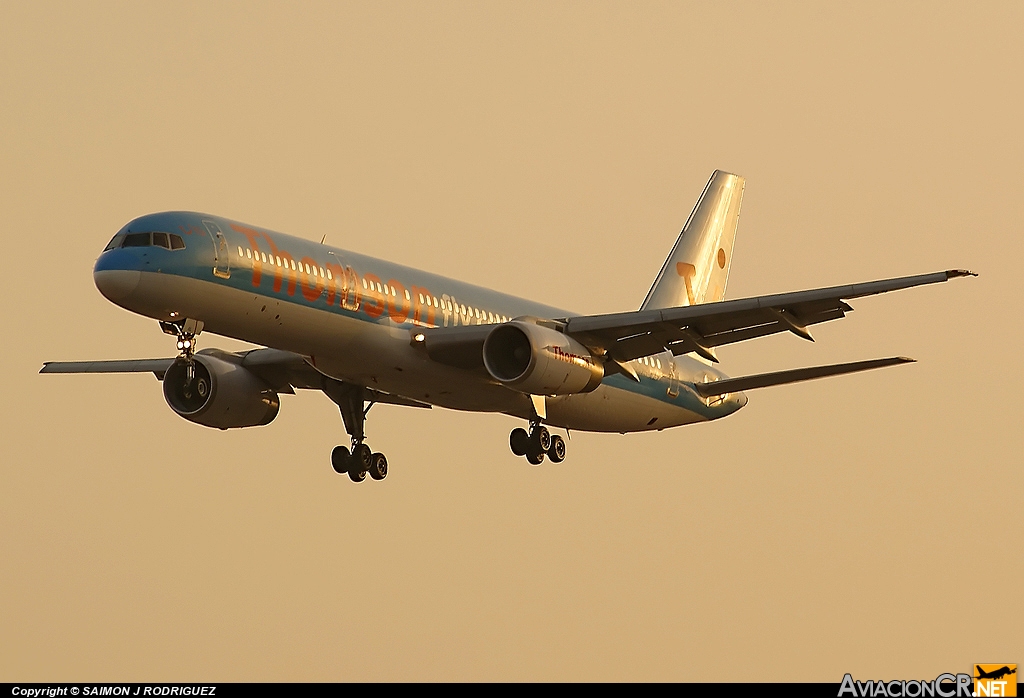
(360, 460)
(536, 444)
(186, 331)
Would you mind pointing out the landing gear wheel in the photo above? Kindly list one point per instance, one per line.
(340, 459)
(557, 450)
(378, 466)
(534, 458)
(360, 462)
(541, 439)
(519, 441)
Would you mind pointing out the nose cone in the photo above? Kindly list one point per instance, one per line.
(117, 273)
(116, 284)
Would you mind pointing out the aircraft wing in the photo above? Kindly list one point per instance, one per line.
(764, 380)
(157, 366)
(284, 371)
(700, 328)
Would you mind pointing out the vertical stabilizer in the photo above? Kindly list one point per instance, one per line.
(697, 270)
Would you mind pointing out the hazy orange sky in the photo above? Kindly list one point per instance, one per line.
(858, 524)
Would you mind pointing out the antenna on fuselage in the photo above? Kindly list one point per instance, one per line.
(323, 238)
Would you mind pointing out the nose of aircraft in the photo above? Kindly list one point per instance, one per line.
(117, 272)
(116, 284)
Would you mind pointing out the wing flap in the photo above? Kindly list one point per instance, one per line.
(764, 380)
(627, 336)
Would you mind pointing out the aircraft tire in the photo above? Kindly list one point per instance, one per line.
(519, 441)
(340, 459)
(557, 451)
(361, 456)
(535, 458)
(541, 439)
(378, 466)
(360, 462)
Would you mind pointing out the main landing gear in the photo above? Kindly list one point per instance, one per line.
(360, 460)
(536, 444)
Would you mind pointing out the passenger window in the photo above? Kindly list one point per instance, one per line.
(329, 275)
(138, 240)
(240, 251)
(115, 242)
(322, 272)
(248, 253)
(176, 242)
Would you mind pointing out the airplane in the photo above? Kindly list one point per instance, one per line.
(996, 674)
(367, 331)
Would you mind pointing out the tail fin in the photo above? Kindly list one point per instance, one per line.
(697, 270)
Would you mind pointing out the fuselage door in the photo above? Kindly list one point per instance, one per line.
(221, 265)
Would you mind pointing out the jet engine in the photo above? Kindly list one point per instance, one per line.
(219, 393)
(540, 361)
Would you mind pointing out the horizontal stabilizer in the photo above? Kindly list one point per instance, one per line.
(735, 385)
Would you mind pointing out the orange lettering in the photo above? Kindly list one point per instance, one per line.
(336, 284)
(257, 265)
(418, 307)
(374, 301)
(310, 291)
(398, 304)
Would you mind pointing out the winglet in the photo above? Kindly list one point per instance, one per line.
(953, 273)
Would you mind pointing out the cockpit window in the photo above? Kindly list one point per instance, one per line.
(168, 241)
(138, 240)
(115, 242)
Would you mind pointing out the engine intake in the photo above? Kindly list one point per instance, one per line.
(220, 394)
(540, 361)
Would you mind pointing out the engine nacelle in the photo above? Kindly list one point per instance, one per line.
(221, 394)
(540, 361)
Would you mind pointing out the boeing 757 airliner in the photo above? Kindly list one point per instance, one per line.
(365, 331)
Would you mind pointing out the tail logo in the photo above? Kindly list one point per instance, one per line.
(687, 271)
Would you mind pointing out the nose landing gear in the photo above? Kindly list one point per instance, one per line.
(360, 460)
(536, 444)
(186, 330)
